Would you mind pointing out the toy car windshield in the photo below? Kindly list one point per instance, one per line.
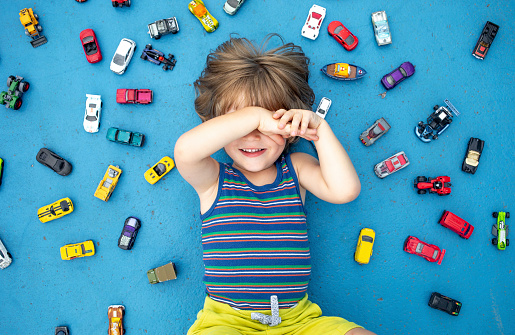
(367, 239)
(118, 59)
(112, 173)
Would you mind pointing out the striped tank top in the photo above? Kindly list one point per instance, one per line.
(255, 241)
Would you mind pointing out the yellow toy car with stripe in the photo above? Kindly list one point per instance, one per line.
(55, 210)
(108, 183)
(198, 9)
(83, 249)
(156, 172)
(365, 245)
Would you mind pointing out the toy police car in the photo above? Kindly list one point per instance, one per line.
(163, 27)
(436, 123)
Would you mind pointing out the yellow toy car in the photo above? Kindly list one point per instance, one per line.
(365, 245)
(29, 20)
(55, 210)
(198, 9)
(156, 172)
(83, 249)
(107, 185)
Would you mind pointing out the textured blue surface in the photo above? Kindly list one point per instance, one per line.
(388, 296)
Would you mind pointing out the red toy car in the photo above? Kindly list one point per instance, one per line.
(456, 224)
(341, 34)
(90, 45)
(440, 185)
(429, 251)
(121, 3)
(134, 96)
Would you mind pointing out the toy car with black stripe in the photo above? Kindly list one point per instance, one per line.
(158, 58)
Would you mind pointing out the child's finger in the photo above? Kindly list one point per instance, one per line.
(295, 122)
(287, 116)
(304, 125)
(279, 113)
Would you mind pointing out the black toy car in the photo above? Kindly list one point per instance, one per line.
(54, 161)
(158, 58)
(62, 330)
(474, 150)
(129, 233)
(436, 123)
(163, 27)
(485, 40)
(443, 303)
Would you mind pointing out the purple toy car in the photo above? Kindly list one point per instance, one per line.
(393, 78)
(158, 58)
(129, 233)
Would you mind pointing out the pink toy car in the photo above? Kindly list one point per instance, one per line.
(134, 96)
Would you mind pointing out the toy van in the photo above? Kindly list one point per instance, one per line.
(456, 224)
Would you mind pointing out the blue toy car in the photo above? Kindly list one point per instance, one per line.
(158, 58)
(436, 123)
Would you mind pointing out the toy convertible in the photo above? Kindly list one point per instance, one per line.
(158, 58)
(436, 123)
(343, 71)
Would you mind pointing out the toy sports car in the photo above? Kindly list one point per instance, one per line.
(429, 251)
(129, 233)
(29, 21)
(199, 10)
(54, 161)
(381, 28)
(123, 55)
(90, 46)
(436, 123)
(115, 314)
(5, 257)
(365, 245)
(343, 71)
(134, 96)
(311, 28)
(125, 137)
(372, 134)
(92, 113)
(163, 27)
(485, 40)
(391, 165)
(500, 230)
(342, 35)
(393, 78)
(474, 150)
(156, 172)
(158, 58)
(440, 185)
(12, 98)
(108, 183)
(443, 303)
(232, 6)
(77, 250)
(55, 210)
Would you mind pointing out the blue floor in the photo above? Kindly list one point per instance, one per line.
(39, 291)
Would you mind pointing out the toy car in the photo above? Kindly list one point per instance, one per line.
(393, 78)
(63, 330)
(440, 185)
(115, 314)
(134, 96)
(485, 40)
(125, 137)
(156, 172)
(372, 134)
(232, 6)
(55, 210)
(323, 107)
(162, 273)
(443, 303)
(1, 170)
(123, 56)
(5, 257)
(343, 71)
(121, 3)
(90, 46)
(500, 230)
(199, 10)
(129, 233)
(312, 26)
(158, 58)
(54, 162)
(12, 98)
(77, 250)
(92, 113)
(429, 251)
(163, 27)
(342, 35)
(436, 123)
(29, 21)
(456, 224)
(108, 183)
(391, 165)
(474, 150)
(381, 28)
(365, 245)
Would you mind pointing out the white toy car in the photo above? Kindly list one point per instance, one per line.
(314, 21)
(381, 28)
(391, 165)
(323, 107)
(123, 55)
(92, 114)
(232, 6)
(5, 257)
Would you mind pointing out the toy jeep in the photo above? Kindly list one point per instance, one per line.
(163, 27)
(12, 98)
(29, 20)
(500, 230)
(162, 273)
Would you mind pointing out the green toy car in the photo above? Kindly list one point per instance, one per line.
(12, 98)
(500, 230)
(1, 170)
(125, 137)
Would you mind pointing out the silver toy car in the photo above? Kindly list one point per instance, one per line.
(232, 6)
(5, 257)
(381, 28)
(163, 27)
(323, 107)
(391, 165)
(378, 129)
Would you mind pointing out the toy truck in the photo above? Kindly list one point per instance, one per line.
(456, 224)
(108, 183)
(163, 27)
(162, 273)
(29, 20)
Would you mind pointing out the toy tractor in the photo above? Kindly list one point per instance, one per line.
(29, 20)
(12, 98)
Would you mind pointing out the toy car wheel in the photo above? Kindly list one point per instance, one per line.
(427, 135)
(170, 56)
(508, 215)
(143, 56)
(157, 37)
(9, 254)
(128, 3)
(494, 241)
(421, 179)
(115, 4)
(450, 121)
(421, 124)
(507, 242)
(24, 86)
(27, 32)
(17, 104)
(36, 16)
(39, 28)
(436, 107)
(494, 214)
(165, 67)
(435, 137)
(148, 46)
(421, 191)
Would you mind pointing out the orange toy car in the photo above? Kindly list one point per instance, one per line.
(115, 314)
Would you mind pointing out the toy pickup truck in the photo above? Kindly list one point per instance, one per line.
(134, 96)
(162, 273)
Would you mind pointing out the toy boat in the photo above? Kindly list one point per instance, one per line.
(343, 71)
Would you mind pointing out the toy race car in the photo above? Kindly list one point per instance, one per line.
(156, 172)
(29, 21)
(162, 273)
(163, 27)
(456, 224)
(134, 96)
(5, 257)
(365, 245)
(342, 35)
(437, 122)
(500, 230)
(381, 28)
(77, 250)
(55, 162)
(485, 40)
(129, 233)
(125, 137)
(323, 107)
(474, 150)
(158, 58)
(90, 46)
(311, 28)
(420, 248)
(443, 303)
(12, 98)
(199, 10)
(392, 79)
(115, 314)
(108, 183)
(121, 3)
(391, 165)
(55, 210)
(372, 134)
(440, 185)
(92, 113)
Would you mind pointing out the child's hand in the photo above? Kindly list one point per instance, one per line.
(270, 126)
(308, 121)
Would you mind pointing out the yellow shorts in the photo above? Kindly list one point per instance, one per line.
(304, 319)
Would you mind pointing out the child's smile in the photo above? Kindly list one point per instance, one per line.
(248, 152)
